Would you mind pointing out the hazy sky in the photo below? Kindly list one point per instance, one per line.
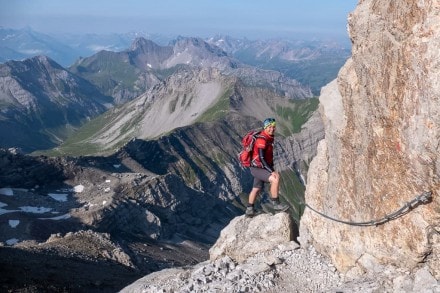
(238, 18)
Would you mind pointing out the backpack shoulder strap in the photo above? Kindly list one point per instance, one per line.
(259, 135)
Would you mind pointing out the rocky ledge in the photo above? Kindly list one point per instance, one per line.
(258, 255)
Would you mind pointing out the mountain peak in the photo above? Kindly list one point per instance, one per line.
(46, 61)
(39, 61)
(143, 45)
(182, 43)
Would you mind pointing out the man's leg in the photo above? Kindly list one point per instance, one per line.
(253, 195)
(250, 209)
(274, 180)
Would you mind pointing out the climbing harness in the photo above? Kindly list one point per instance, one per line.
(423, 198)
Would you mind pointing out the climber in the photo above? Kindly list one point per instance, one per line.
(262, 169)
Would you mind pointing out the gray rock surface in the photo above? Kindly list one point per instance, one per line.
(244, 237)
(381, 150)
(284, 267)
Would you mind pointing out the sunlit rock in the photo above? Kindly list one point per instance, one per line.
(381, 149)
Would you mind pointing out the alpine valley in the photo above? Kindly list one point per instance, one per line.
(127, 160)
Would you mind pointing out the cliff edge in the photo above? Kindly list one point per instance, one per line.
(375, 179)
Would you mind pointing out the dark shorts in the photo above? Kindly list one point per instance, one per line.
(260, 177)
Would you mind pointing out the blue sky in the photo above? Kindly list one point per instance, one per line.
(239, 18)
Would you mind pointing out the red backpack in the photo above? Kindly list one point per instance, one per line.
(245, 156)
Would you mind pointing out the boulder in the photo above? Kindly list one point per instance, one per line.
(244, 237)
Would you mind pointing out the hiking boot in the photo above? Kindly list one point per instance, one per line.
(277, 206)
(250, 212)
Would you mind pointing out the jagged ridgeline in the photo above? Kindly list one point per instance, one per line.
(191, 125)
(188, 97)
(41, 103)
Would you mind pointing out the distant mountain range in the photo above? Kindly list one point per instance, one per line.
(18, 44)
(313, 63)
(54, 102)
(129, 73)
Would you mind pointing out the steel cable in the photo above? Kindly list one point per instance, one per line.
(423, 198)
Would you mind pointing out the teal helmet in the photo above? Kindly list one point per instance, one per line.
(269, 122)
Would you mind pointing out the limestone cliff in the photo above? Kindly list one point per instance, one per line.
(381, 148)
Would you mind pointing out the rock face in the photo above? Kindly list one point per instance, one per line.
(381, 146)
(296, 151)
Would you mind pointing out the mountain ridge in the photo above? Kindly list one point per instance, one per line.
(188, 96)
(42, 102)
(127, 74)
(124, 76)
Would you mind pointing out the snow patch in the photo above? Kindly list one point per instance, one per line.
(12, 241)
(6, 191)
(35, 210)
(14, 223)
(58, 196)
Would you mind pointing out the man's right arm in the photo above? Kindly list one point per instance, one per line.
(263, 161)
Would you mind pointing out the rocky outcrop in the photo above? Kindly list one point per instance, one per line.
(245, 237)
(251, 255)
(381, 147)
(250, 262)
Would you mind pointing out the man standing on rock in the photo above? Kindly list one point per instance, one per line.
(262, 169)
